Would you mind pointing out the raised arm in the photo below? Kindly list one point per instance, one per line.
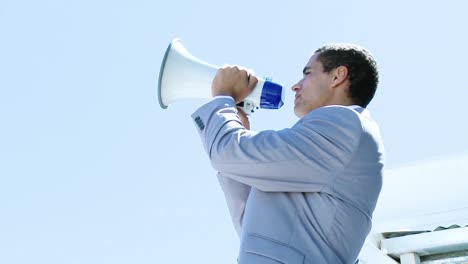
(236, 193)
(303, 158)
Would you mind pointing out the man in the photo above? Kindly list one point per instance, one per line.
(304, 194)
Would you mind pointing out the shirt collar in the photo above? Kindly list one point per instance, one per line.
(355, 107)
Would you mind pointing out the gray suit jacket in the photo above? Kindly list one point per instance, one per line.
(299, 195)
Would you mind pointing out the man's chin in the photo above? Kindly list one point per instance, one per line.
(297, 112)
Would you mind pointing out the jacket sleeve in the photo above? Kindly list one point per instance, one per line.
(236, 195)
(304, 158)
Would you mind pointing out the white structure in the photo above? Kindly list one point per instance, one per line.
(421, 215)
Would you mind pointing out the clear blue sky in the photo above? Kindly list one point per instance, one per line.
(93, 171)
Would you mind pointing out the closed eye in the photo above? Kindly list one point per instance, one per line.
(306, 71)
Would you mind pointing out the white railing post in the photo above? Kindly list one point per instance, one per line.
(410, 258)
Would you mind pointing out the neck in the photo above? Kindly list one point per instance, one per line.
(340, 95)
(340, 99)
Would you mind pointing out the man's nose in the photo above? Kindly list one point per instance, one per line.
(296, 87)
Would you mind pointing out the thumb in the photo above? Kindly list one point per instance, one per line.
(252, 82)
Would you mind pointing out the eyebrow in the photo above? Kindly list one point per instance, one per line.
(306, 69)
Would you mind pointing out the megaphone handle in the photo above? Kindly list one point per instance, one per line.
(247, 107)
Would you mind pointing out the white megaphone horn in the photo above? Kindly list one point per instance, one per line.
(183, 76)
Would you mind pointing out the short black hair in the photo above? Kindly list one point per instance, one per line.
(363, 75)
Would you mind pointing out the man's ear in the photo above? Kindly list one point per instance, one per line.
(340, 75)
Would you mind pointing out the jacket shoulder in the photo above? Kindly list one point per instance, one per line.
(337, 114)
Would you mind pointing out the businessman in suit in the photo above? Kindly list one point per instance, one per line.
(303, 194)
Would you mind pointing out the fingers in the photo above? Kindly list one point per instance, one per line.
(235, 81)
(248, 77)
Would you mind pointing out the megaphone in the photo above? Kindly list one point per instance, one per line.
(183, 76)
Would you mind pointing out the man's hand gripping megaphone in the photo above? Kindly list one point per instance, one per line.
(237, 82)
